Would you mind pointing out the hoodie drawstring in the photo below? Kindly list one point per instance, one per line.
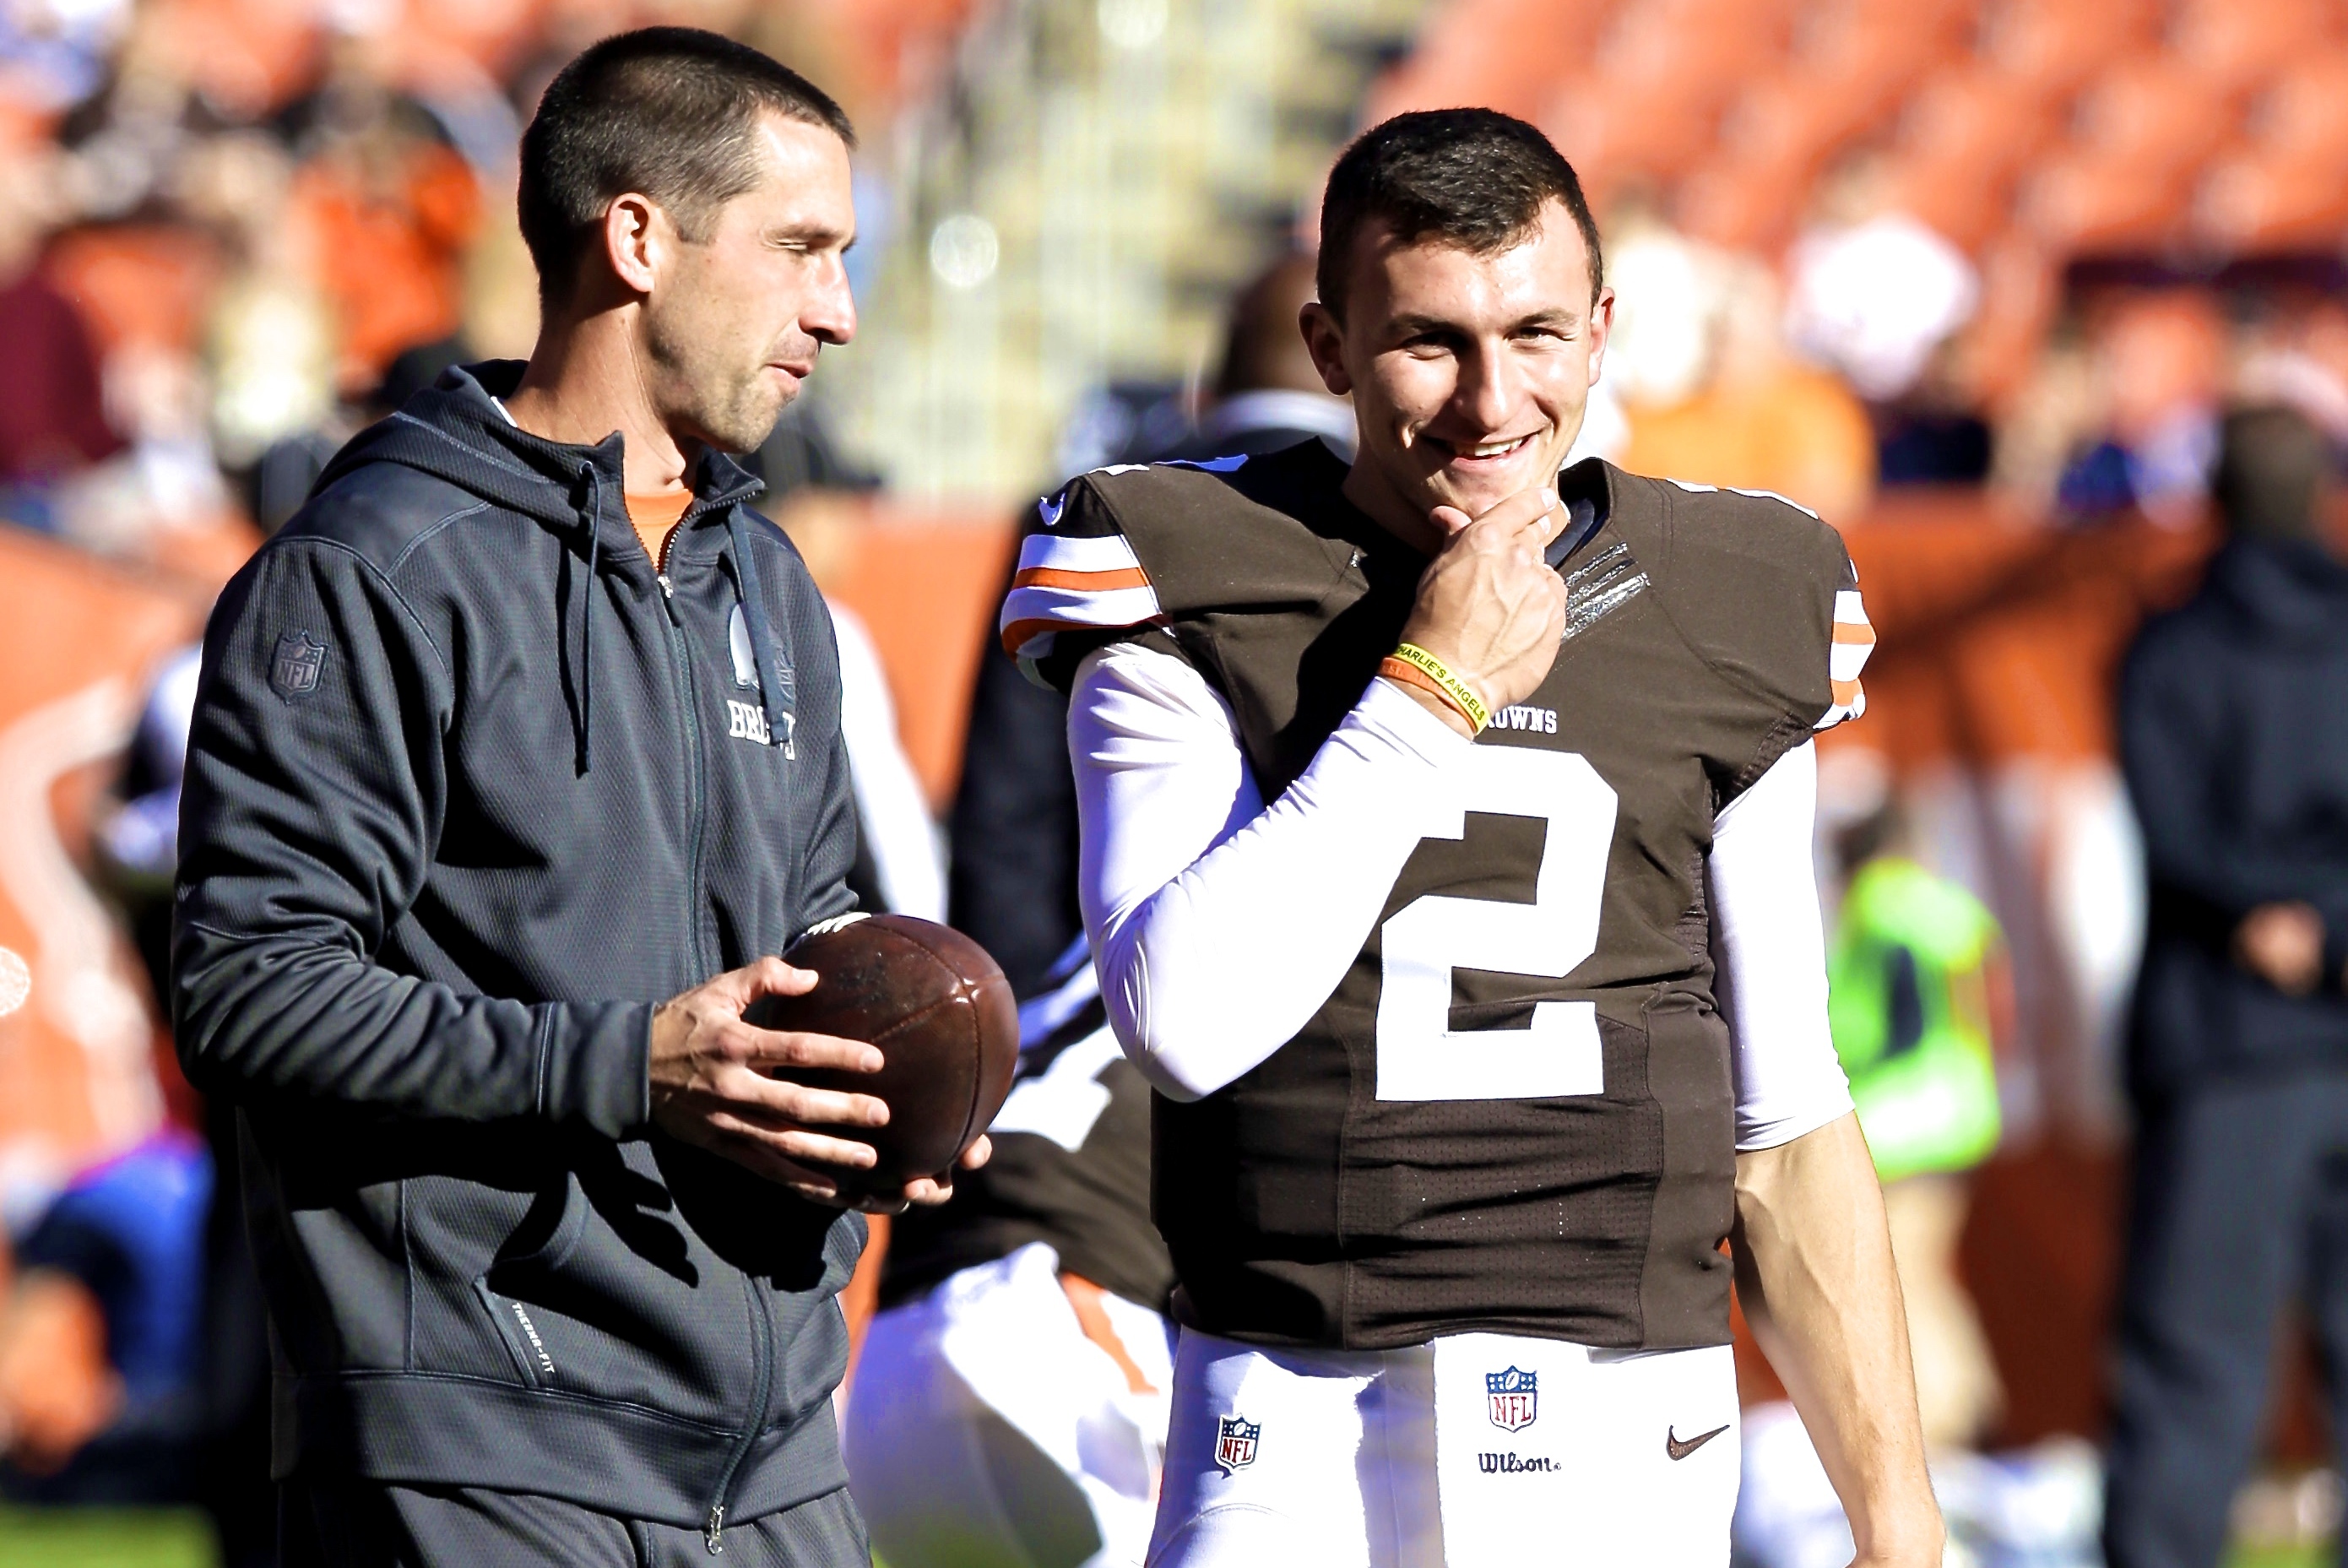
(587, 621)
(753, 622)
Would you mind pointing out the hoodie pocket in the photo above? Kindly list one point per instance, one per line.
(522, 1340)
(620, 1301)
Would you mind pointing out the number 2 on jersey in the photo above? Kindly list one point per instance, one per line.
(1420, 1056)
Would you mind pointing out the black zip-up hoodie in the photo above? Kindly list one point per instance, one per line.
(2234, 733)
(472, 788)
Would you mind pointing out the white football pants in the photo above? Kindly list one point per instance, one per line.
(1476, 1451)
(985, 1430)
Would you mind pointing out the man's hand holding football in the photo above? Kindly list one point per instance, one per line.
(1490, 606)
(713, 1084)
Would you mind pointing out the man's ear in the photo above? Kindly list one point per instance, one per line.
(636, 239)
(1602, 331)
(1324, 340)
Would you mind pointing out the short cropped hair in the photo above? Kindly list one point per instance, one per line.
(1474, 177)
(667, 111)
(2272, 466)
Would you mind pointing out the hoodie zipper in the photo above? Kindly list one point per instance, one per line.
(762, 1324)
(762, 1335)
(689, 703)
(762, 1316)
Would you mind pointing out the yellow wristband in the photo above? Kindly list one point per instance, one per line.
(1459, 692)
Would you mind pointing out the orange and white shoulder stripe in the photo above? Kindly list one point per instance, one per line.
(1854, 639)
(1066, 583)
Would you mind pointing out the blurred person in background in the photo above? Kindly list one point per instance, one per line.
(2159, 363)
(2234, 735)
(1876, 295)
(1265, 395)
(101, 1329)
(223, 1417)
(1743, 412)
(1013, 883)
(53, 419)
(1919, 994)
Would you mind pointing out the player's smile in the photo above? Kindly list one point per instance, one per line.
(1478, 461)
(1470, 371)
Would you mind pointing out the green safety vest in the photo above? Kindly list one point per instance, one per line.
(1920, 1063)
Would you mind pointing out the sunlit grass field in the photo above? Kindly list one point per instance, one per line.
(146, 1538)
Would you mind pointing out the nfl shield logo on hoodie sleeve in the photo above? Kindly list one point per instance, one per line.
(294, 668)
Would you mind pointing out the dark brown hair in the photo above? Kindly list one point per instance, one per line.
(1474, 177)
(2272, 466)
(668, 112)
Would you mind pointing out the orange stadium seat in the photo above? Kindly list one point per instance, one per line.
(1504, 53)
(2304, 114)
(2243, 47)
(2056, 45)
(2143, 129)
(1646, 103)
(2288, 187)
(1961, 144)
(1781, 132)
(1867, 59)
(492, 34)
(1742, 206)
(1615, 131)
(2152, 109)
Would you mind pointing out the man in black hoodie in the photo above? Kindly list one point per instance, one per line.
(517, 758)
(2234, 729)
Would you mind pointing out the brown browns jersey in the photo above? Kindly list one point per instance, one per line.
(1515, 1112)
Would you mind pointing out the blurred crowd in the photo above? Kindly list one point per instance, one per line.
(2031, 243)
(233, 231)
(2032, 250)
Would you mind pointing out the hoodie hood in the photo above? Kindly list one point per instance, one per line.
(456, 431)
(2287, 591)
(453, 429)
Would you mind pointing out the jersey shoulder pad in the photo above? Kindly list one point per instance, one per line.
(1761, 589)
(1135, 546)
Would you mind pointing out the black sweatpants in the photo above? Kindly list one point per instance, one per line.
(2240, 1204)
(365, 1525)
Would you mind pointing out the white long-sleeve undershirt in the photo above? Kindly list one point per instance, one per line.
(1195, 893)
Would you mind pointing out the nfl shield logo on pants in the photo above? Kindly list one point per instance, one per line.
(1235, 1439)
(1513, 1398)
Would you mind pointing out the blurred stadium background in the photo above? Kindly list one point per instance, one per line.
(1973, 278)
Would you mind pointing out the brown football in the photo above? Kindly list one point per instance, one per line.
(943, 1016)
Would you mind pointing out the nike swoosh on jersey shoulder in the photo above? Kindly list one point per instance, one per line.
(1135, 546)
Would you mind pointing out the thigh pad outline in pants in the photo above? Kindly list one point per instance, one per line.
(1294, 1457)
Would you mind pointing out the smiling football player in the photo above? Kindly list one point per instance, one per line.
(1446, 858)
